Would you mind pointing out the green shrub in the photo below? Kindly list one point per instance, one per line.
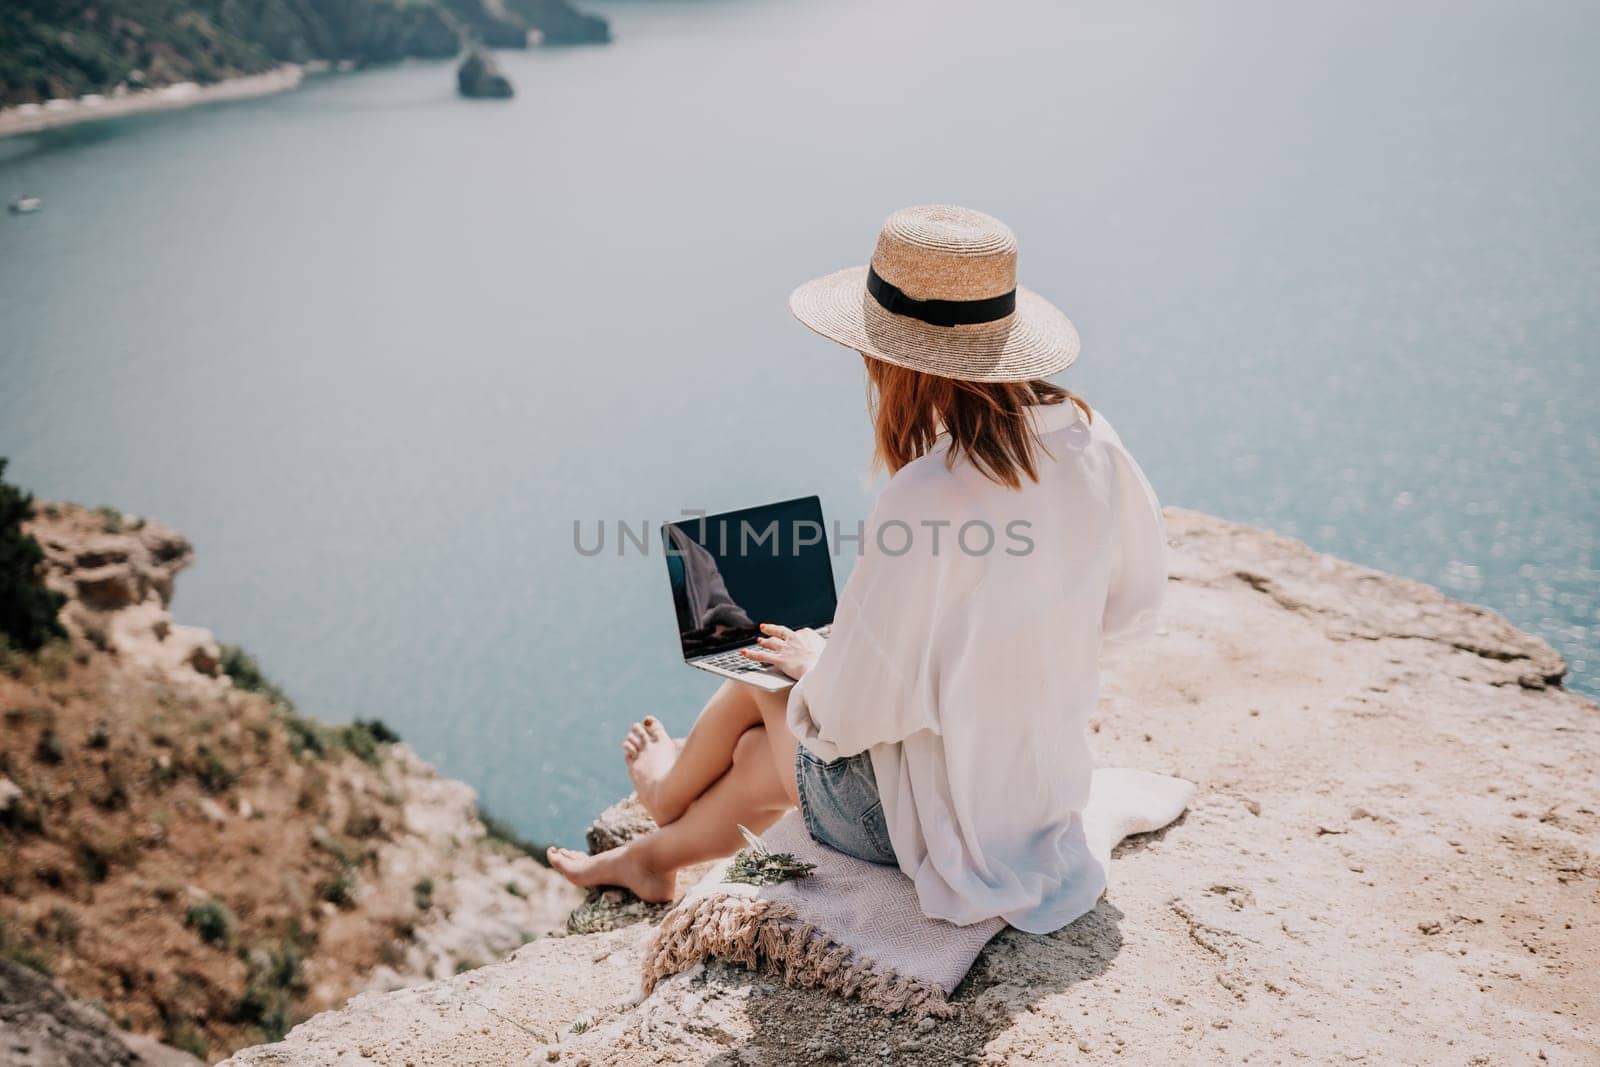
(364, 738)
(54, 659)
(186, 1038)
(49, 749)
(211, 920)
(501, 833)
(23, 815)
(60, 926)
(339, 889)
(268, 999)
(287, 970)
(362, 822)
(111, 794)
(332, 846)
(422, 894)
(93, 860)
(264, 1008)
(275, 978)
(162, 773)
(27, 609)
(246, 674)
(304, 735)
(11, 658)
(214, 775)
(20, 952)
(23, 818)
(379, 730)
(359, 742)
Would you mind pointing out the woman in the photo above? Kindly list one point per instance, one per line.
(941, 728)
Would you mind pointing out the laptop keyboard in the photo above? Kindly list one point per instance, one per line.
(733, 662)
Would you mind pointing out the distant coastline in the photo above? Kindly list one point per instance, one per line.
(35, 118)
(65, 64)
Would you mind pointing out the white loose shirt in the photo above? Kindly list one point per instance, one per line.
(969, 670)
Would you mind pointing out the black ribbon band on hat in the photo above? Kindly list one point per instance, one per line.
(940, 312)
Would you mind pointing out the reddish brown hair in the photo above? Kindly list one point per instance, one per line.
(987, 421)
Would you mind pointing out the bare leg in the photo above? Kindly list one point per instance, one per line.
(749, 793)
(667, 778)
(774, 709)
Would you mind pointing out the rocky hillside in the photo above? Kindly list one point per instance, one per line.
(179, 846)
(40, 1026)
(1392, 858)
(59, 48)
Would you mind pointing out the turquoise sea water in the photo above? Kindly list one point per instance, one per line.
(375, 348)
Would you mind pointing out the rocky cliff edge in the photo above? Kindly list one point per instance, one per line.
(1392, 858)
(182, 848)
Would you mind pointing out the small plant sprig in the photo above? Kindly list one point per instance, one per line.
(759, 865)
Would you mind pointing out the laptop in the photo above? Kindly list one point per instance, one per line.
(731, 572)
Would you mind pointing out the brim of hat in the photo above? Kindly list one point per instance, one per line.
(1035, 341)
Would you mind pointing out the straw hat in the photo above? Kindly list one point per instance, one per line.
(941, 296)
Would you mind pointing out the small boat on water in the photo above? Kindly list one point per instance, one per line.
(25, 205)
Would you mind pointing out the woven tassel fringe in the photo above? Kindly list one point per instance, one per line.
(765, 936)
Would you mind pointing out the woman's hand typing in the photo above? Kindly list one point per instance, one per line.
(791, 651)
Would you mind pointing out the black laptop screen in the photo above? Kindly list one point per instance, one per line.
(733, 571)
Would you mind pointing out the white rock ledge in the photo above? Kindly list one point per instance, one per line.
(1392, 858)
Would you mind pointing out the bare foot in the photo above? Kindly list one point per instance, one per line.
(650, 754)
(623, 866)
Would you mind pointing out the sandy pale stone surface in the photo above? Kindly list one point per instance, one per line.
(1393, 857)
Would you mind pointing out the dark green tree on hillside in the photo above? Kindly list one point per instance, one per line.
(27, 608)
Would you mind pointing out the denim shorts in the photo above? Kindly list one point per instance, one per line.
(839, 802)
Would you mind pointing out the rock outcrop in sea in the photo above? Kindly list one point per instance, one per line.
(1392, 858)
(480, 77)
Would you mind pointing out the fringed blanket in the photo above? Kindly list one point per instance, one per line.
(855, 928)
